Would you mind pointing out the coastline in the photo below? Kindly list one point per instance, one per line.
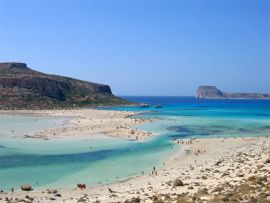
(220, 166)
(227, 164)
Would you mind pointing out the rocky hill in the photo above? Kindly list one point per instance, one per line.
(24, 88)
(212, 92)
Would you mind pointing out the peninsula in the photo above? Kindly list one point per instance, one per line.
(25, 88)
(212, 92)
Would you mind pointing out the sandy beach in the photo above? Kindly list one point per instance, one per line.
(90, 122)
(216, 174)
(200, 170)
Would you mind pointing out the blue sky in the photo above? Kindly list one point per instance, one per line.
(143, 47)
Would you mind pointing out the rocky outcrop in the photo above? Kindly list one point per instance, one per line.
(24, 88)
(212, 92)
(208, 92)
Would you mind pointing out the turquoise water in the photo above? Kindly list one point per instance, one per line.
(190, 117)
(65, 162)
(99, 159)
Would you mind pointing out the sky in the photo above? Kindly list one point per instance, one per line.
(143, 47)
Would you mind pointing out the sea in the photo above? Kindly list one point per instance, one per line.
(97, 160)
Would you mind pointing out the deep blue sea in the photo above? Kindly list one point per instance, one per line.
(192, 117)
(101, 160)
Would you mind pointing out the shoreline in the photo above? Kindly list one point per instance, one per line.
(89, 122)
(202, 168)
(208, 172)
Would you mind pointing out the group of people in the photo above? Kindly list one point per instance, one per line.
(181, 141)
(154, 171)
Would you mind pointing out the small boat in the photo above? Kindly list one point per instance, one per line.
(144, 105)
(158, 106)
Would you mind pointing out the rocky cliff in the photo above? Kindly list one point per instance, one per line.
(212, 92)
(24, 88)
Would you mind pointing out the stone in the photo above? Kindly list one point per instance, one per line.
(225, 174)
(204, 177)
(240, 175)
(26, 187)
(177, 182)
(57, 195)
(267, 161)
(82, 200)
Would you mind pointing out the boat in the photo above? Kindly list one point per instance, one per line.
(158, 106)
(144, 105)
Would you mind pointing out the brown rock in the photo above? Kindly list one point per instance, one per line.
(177, 182)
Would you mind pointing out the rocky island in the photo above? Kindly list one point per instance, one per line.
(25, 88)
(212, 92)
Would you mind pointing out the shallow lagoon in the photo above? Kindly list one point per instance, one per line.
(64, 162)
(99, 159)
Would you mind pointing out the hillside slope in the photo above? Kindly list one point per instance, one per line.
(24, 88)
